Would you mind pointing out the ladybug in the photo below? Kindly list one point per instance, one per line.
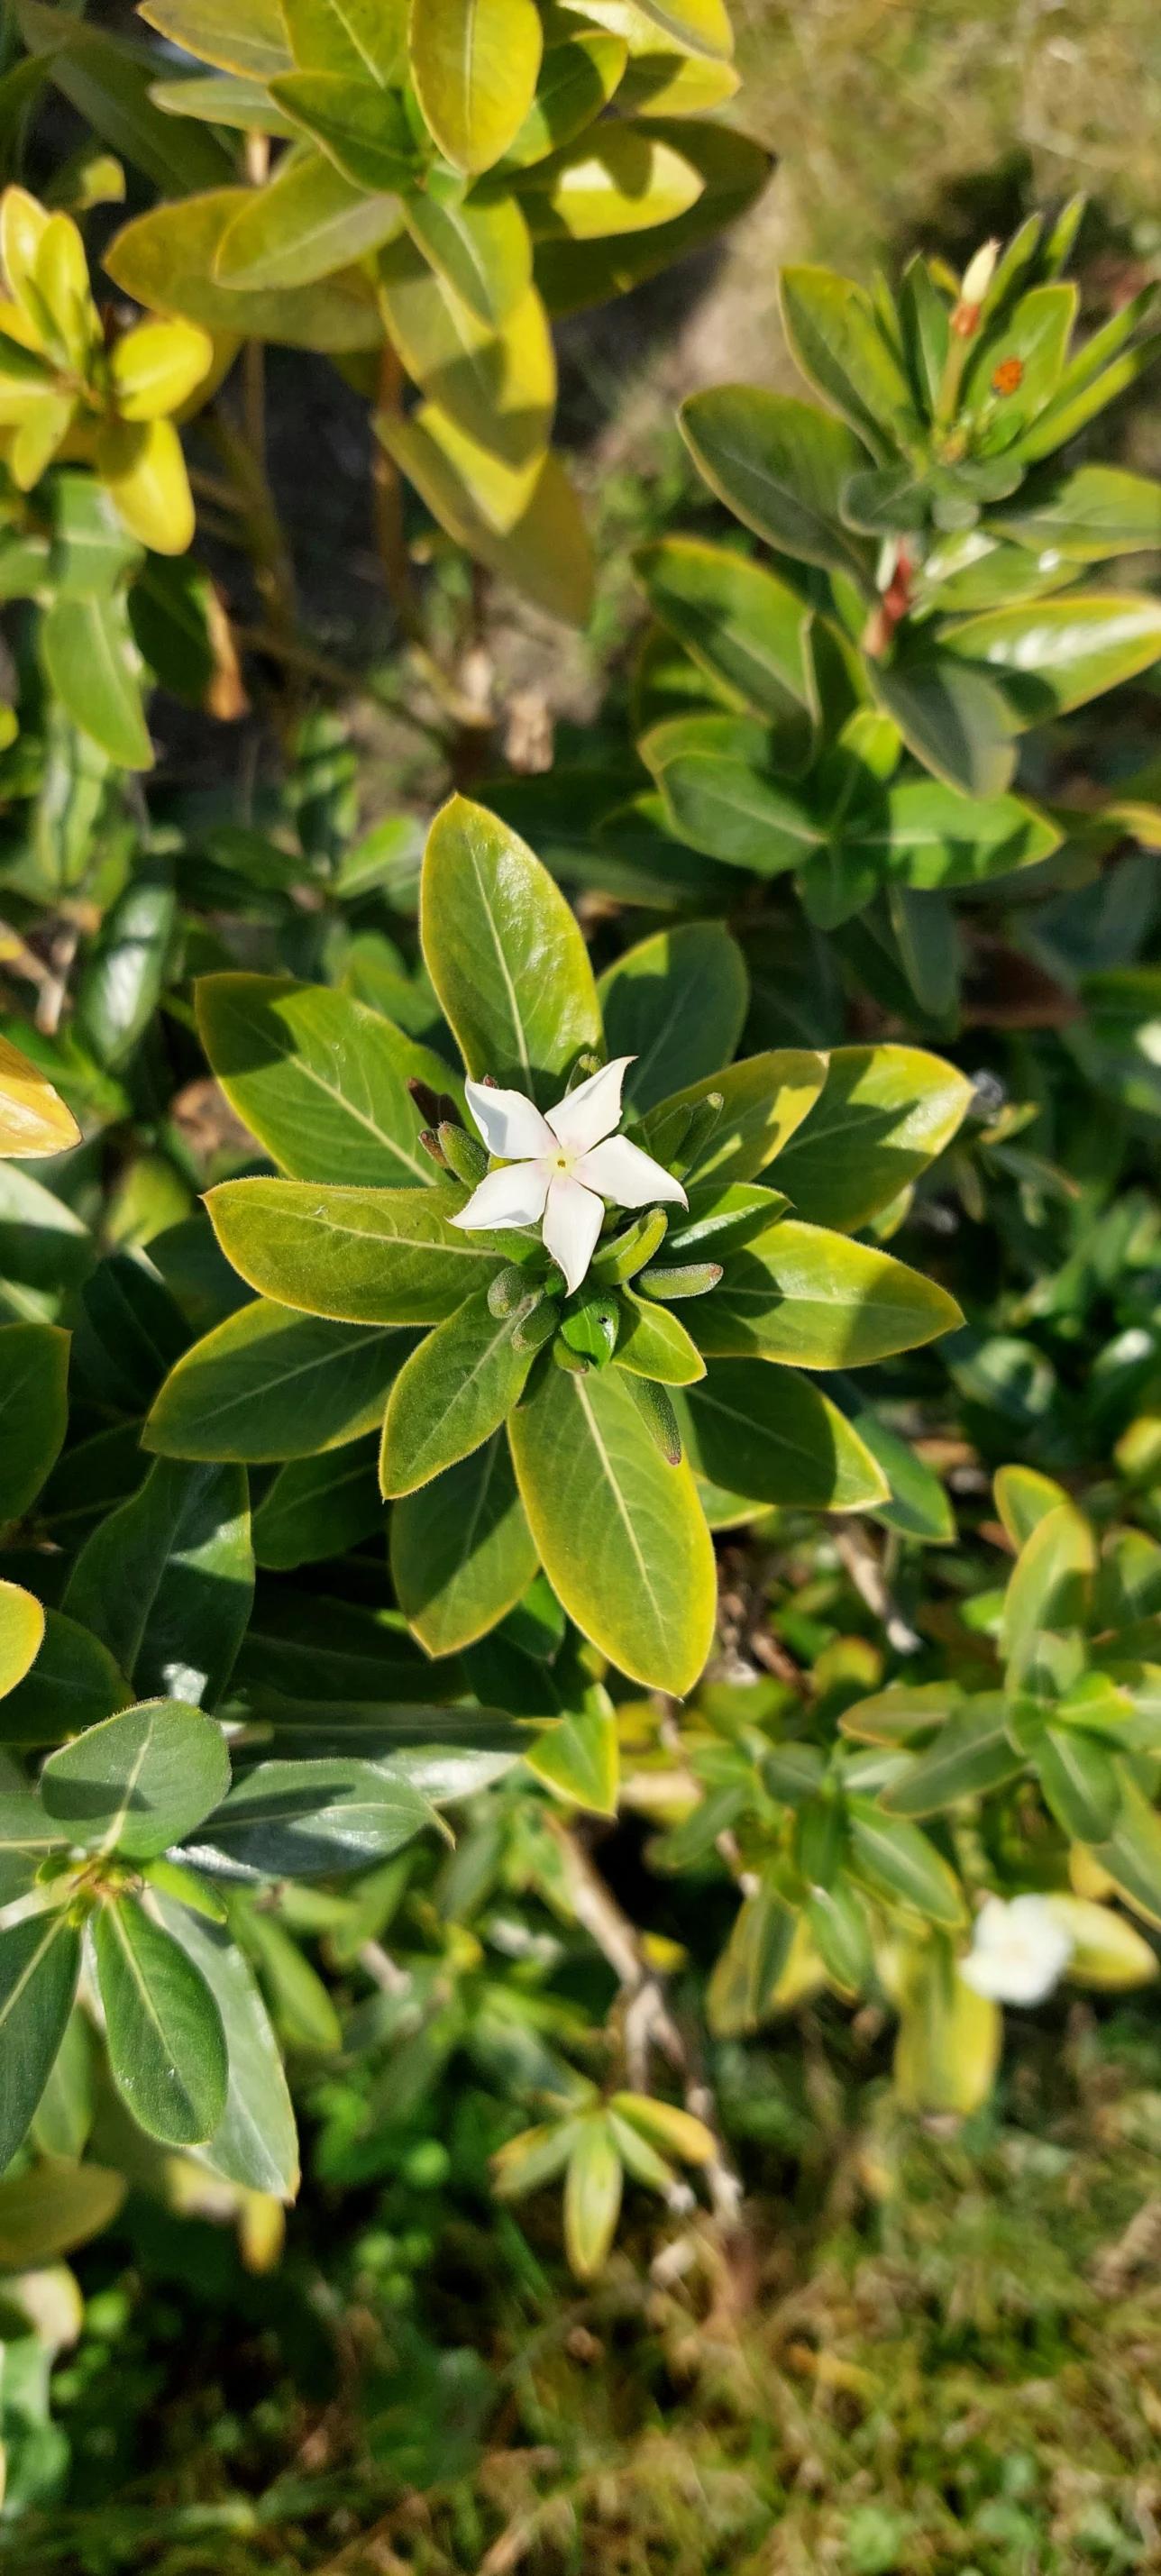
(1008, 376)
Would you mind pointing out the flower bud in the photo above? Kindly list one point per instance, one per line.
(690, 1279)
(656, 1411)
(508, 1291)
(978, 274)
(703, 1119)
(537, 1326)
(462, 1154)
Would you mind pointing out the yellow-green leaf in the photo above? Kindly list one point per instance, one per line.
(33, 1117)
(475, 63)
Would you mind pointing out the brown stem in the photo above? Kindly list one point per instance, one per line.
(858, 1556)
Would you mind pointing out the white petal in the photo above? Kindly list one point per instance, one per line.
(512, 1197)
(572, 1222)
(621, 1172)
(592, 1110)
(510, 1125)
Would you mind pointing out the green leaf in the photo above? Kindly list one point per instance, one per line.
(504, 953)
(461, 1550)
(1023, 1499)
(543, 551)
(40, 1962)
(835, 339)
(223, 99)
(1132, 1853)
(356, 1256)
(481, 247)
(927, 835)
(971, 1755)
(44, 2212)
(918, 1506)
(576, 80)
(64, 2116)
(319, 1079)
(139, 1781)
(320, 1507)
(166, 259)
(167, 2047)
(898, 1864)
(363, 129)
(724, 792)
(654, 1343)
(619, 1532)
(475, 66)
(91, 551)
(677, 1003)
(34, 1361)
(748, 630)
(717, 1219)
(255, 2142)
(307, 221)
(1081, 1782)
(1087, 515)
(108, 82)
(273, 1384)
(303, 2012)
(307, 1819)
(251, 43)
(733, 170)
(95, 668)
(1035, 334)
(765, 1098)
(956, 721)
(167, 1580)
(901, 1714)
(580, 1757)
(1051, 1582)
(21, 1634)
(883, 1116)
(813, 1298)
(781, 467)
(451, 1395)
(125, 969)
(1053, 654)
(592, 2197)
(617, 178)
(356, 37)
(776, 1439)
(73, 1683)
(496, 385)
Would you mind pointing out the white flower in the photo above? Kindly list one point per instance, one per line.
(1018, 1951)
(562, 1167)
(977, 278)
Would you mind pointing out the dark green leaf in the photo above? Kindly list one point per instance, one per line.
(307, 1819)
(461, 1550)
(167, 2047)
(320, 1080)
(140, 1780)
(320, 1507)
(34, 1361)
(39, 1965)
(771, 1435)
(452, 1394)
(166, 1582)
(505, 954)
(273, 1384)
(884, 1114)
(74, 1683)
(677, 1003)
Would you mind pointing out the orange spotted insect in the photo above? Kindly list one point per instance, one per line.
(1009, 374)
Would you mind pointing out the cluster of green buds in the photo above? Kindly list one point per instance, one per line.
(72, 391)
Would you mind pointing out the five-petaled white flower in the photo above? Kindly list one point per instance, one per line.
(562, 1167)
(1018, 1951)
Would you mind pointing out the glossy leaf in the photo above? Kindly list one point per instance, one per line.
(677, 1003)
(319, 1507)
(733, 169)
(725, 794)
(917, 1506)
(475, 66)
(273, 1384)
(480, 246)
(251, 42)
(167, 2047)
(94, 666)
(40, 1962)
(356, 37)
(744, 627)
(884, 1114)
(1023, 1499)
(1087, 515)
(765, 1098)
(619, 1532)
(1051, 1582)
(834, 336)
(576, 80)
(33, 1408)
(781, 467)
(121, 984)
(1053, 654)
(166, 1581)
(927, 835)
(462, 1554)
(451, 1395)
(306, 1819)
(592, 2198)
(617, 178)
(320, 1080)
(107, 82)
(167, 259)
(776, 1438)
(901, 1867)
(307, 221)
(652, 1342)
(544, 552)
(361, 128)
(21, 1634)
(356, 1256)
(33, 1117)
(72, 1684)
(505, 954)
(950, 2038)
(1080, 1781)
(495, 382)
(50, 2208)
(139, 1781)
(804, 1295)
(579, 1758)
(255, 2142)
(971, 1754)
(956, 720)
